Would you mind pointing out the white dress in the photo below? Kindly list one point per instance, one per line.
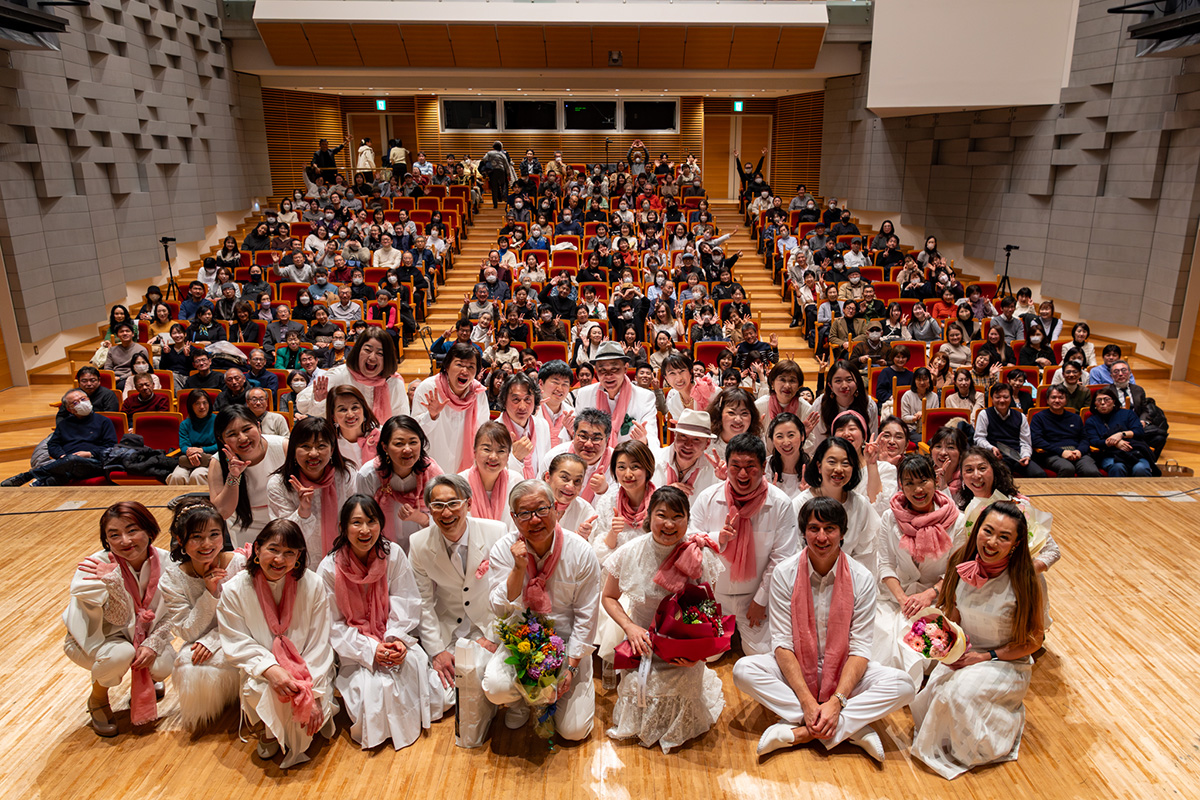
(207, 689)
(862, 527)
(889, 484)
(246, 640)
(887, 646)
(975, 715)
(369, 484)
(383, 704)
(681, 702)
(608, 632)
(790, 484)
(284, 503)
(255, 479)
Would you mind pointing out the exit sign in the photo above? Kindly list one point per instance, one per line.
(737, 105)
(381, 105)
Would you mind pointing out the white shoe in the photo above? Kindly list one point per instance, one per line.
(776, 737)
(869, 741)
(267, 748)
(516, 715)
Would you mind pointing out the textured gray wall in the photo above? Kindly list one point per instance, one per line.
(1099, 191)
(137, 129)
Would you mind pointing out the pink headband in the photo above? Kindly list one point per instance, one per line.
(862, 423)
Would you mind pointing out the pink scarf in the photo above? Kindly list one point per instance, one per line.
(361, 591)
(837, 632)
(389, 499)
(601, 468)
(683, 563)
(329, 505)
(633, 516)
(673, 475)
(470, 408)
(977, 573)
(381, 394)
(924, 535)
(279, 619)
(743, 562)
(774, 409)
(535, 584)
(702, 392)
(556, 425)
(528, 468)
(143, 706)
(481, 505)
(367, 445)
(618, 414)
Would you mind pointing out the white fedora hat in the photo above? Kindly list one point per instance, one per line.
(695, 424)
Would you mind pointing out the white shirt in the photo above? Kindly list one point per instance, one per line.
(780, 613)
(862, 526)
(454, 602)
(705, 475)
(447, 434)
(404, 611)
(540, 430)
(853, 259)
(574, 590)
(340, 376)
(775, 537)
(981, 431)
(642, 408)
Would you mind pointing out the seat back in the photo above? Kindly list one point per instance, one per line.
(159, 429)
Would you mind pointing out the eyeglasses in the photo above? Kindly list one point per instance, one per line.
(525, 516)
(438, 506)
(594, 439)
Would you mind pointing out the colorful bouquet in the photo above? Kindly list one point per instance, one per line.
(934, 636)
(537, 654)
(688, 625)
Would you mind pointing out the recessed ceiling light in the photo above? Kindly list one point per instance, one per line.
(370, 88)
(320, 87)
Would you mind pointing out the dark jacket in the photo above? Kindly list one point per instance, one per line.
(1053, 433)
(93, 433)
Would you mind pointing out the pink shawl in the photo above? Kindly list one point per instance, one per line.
(924, 535)
(361, 591)
(470, 408)
(388, 498)
(381, 394)
(528, 467)
(683, 563)
(976, 573)
(279, 619)
(143, 706)
(535, 595)
(837, 632)
(743, 562)
(482, 506)
(774, 409)
(619, 413)
(633, 516)
(329, 505)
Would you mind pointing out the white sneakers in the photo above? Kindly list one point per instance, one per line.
(776, 737)
(516, 715)
(869, 741)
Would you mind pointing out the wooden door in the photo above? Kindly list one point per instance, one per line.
(715, 164)
(404, 128)
(362, 126)
(754, 135)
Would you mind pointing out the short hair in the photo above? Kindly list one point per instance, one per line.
(731, 396)
(565, 458)
(639, 453)
(494, 433)
(123, 325)
(1057, 387)
(812, 471)
(131, 511)
(555, 369)
(747, 444)
(461, 351)
(88, 370)
(915, 465)
(292, 538)
(525, 380)
(1105, 391)
(674, 499)
(1109, 350)
(529, 486)
(1008, 301)
(1000, 388)
(823, 509)
(460, 485)
(596, 418)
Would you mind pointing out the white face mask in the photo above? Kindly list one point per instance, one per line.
(329, 215)
(357, 281)
(855, 278)
(1035, 340)
(298, 386)
(141, 367)
(339, 344)
(873, 336)
(82, 408)
(491, 278)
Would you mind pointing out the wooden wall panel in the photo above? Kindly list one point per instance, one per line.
(707, 48)
(796, 143)
(798, 48)
(521, 46)
(475, 46)
(623, 38)
(295, 121)
(750, 105)
(715, 164)
(568, 47)
(661, 48)
(366, 105)
(333, 44)
(287, 44)
(753, 48)
(380, 45)
(427, 45)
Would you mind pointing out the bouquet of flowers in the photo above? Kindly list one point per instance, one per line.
(1038, 522)
(934, 636)
(688, 625)
(537, 654)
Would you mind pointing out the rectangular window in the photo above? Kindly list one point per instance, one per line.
(590, 115)
(530, 115)
(469, 115)
(650, 115)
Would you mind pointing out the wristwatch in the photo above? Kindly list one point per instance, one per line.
(573, 670)
(841, 698)
(992, 653)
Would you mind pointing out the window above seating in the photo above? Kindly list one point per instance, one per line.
(558, 115)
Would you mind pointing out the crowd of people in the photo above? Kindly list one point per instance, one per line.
(354, 559)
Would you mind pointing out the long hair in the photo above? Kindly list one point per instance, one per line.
(401, 422)
(1027, 617)
(775, 461)
(368, 506)
(225, 417)
(310, 429)
(1002, 478)
(829, 404)
(812, 471)
(369, 423)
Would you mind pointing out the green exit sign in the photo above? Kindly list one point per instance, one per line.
(737, 105)
(381, 105)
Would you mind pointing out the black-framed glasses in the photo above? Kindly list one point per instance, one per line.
(525, 516)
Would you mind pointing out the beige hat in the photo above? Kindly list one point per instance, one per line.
(695, 424)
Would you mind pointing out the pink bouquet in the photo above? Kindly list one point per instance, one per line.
(936, 637)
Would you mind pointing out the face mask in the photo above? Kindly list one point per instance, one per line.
(518, 204)
(82, 408)
(321, 281)
(811, 206)
(141, 368)
(329, 216)
(765, 195)
(873, 336)
(491, 278)
(298, 386)
(855, 278)
(305, 299)
(357, 281)
(339, 344)
(660, 281)
(1035, 340)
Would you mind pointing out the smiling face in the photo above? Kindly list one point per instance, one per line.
(348, 416)
(823, 539)
(243, 437)
(362, 532)
(629, 474)
(313, 457)
(668, 526)
(835, 468)
(589, 442)
(491, 457)
(977, 475)
(996, 537)
(126, 539)
(787, 440)
(745, 472)
(918, 492)
(538, 530)
(566, 481)
(460, 373)
(844, 386)
(520, 405)
(276, 558)
(611, 374)
(735, 419)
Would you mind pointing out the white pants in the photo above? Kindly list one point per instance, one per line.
(881, 691)
(755, 641)
(576, 711)
(181, 476)
(112, 660)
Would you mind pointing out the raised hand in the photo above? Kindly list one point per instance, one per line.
(719, 466)
(321, 388)
(520, 554)
(212, 581)
(598, 484)
(522, 447)
(729, 532)
(775, 340)
(871, 451)
(96, 569)
(637, 433)
(585, 527)
(236, 465)
(304, 495)
(434, 402)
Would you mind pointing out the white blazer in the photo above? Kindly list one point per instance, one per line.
(642, 407)
(451, 595)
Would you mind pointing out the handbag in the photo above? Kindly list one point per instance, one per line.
(1172, 469)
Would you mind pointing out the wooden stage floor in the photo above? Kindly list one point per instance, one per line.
(1113, 712)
